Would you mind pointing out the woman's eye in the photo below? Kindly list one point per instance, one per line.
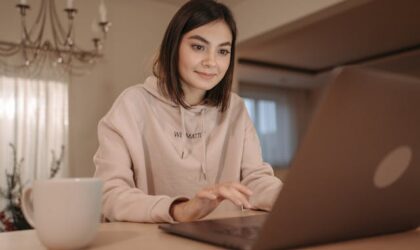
(224, 52)
(197, 47)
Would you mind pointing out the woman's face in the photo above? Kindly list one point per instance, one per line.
(204, 56)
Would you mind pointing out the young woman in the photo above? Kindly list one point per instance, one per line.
(175, 147)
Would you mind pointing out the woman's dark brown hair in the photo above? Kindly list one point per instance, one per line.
(191, 15)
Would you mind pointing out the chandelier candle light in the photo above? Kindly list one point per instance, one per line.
(61, 49)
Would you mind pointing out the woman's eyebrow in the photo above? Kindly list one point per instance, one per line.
(202, 39)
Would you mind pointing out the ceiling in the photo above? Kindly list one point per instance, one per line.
(370, 32)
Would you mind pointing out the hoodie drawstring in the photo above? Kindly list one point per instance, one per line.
(184, 131)
(203, 164)
(204, 147)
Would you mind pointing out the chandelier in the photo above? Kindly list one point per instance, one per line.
(34, 51)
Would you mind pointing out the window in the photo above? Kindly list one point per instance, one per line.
(279, 116)
(34, 118)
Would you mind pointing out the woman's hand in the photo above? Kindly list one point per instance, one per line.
(208, 199)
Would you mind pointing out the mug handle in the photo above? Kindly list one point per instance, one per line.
(27, 206)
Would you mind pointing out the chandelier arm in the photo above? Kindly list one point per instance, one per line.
(41, 14)
(28, 33)
(78, 52)
(8, 49)
(56, 24)
(26, 37)
(93, 52)
(63, 55)
(36, 46)
(56, 37)
(86, 55)
(70, 36)
(30, 52)
(9, 53)
(38, 41)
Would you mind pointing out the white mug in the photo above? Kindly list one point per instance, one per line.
(64, 212)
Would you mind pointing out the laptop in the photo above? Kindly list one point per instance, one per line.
(356, 172)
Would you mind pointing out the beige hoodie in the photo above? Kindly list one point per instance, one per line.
(147, 162)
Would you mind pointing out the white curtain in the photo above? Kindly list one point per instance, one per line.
(34, 118)
(280, 117)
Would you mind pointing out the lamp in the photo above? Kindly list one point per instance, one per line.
(62, 49)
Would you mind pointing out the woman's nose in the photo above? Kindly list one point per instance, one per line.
(209, 60)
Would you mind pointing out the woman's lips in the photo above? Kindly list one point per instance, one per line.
(206, 76)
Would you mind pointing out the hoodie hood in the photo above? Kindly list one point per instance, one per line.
(152, 87)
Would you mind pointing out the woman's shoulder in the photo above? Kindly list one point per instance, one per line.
(130, 98)
(135, 93)
(132, 92)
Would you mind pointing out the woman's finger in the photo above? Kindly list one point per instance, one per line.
(206, 194)
(244, 199)
(241, 188)
(228, 194)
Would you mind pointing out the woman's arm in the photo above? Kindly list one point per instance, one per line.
(122, 199)
(256, 174)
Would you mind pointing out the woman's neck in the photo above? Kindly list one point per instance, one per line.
(193, 96)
